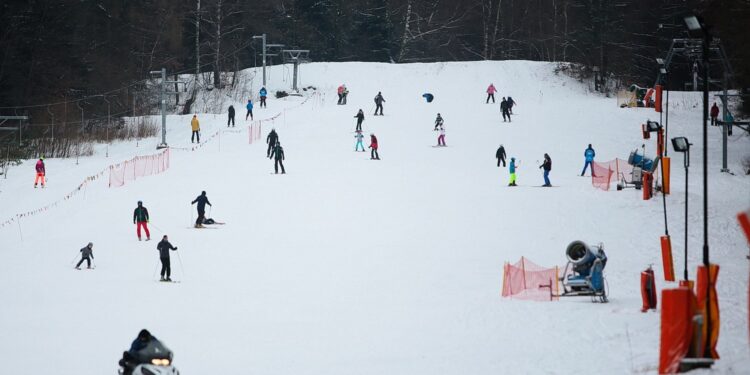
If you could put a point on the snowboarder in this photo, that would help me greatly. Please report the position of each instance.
(340, 92)
(441, 137)
(506, 110)
(589, 154)
(714, 113)
(40, 172)
(164, 246)
(512, 169)
(547, 165)
(511, 103)
(249, 107)
(500, 155)
(140, 218)
(196, 126)
(278, 155)
(491, 90)
(359, 138)
(374, 147)
(271, 140)
(230, 113)
(87, 253)
(438, 122)
(263, 94)
(360, 117)
(379, 100)
(202, 200)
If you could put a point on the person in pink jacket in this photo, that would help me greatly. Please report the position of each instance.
(40, 172)
(491, 90)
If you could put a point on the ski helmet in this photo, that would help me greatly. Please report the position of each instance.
(203, 192)
(90, 244)
(140, 203)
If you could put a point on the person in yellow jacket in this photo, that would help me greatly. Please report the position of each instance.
(196, 129)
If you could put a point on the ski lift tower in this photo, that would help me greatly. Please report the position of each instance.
(296, 56)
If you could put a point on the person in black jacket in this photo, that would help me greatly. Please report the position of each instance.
(379, 100)
(202, 200)
(231, 116)
(438, 122)
(278, 155)
(87, 253)
(547, 165)
(505, 107)
(271, 139)
(360, 117)
(500, 155)
(164, 246)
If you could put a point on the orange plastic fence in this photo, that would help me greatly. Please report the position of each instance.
(139, 166)
(606, 172)
(529, 281)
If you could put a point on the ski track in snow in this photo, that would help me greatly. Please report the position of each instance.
(393, 266)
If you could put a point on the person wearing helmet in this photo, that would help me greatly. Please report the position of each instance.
(512, 169)
(278, 156)
(438, 122)
(129, 358)
(40, 172)
(140, 218)
(163, 247)
(271, 140)
(202, 200)
(87, 253)
(500, 156)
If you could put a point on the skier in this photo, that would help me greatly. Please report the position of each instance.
(278, 155)
(374, 147)
(491, 90)
(40, 172)
(379, 100)
(249, 107)
(359, 138)
(345, 94)
(164, 246)
(441, 137)
(512, 169)
(263, 94)
(547, 165)
(589, 154)
(714, 113)
(506, 110)
(196, 126)
(511, 103)
(438, 122)
(360, 117)
(271, 140)
(87, 253)
(500, 155)
(340, 92)
(231, 116)
(202, 200)
(140, 218)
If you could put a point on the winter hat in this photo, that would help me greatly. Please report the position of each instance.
(90, 244)
(514, 159)
(203, 192)
(140, 203)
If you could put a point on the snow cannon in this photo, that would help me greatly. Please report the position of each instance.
(584, 273)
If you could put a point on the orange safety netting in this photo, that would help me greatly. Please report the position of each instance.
(254, 131)
(604, 173)
(529, 281)
(139, 166)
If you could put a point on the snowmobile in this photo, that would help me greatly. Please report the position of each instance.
(154, 359)
(584, 273)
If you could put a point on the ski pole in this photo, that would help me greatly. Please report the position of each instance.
(191, 214)
(74, 259)
(181, 266)
(156, 267)
(157, 228)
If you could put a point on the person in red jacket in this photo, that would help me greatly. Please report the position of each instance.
(714, 113)
(374, 147)
(39, 172)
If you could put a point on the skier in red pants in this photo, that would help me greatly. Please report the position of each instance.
(140, 217)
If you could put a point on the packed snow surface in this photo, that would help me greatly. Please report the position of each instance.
(351, 266)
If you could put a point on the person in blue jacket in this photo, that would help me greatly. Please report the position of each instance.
(589, 154)
(512, 170)
(249, 107)
(263, 94)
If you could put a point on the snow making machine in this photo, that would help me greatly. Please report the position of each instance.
(584, 273)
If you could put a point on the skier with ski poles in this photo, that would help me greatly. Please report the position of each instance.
(278, 155)
(359, 138)
(87, 253)
(360, 116)
(512, 169)
(202, 200)
(140, 218)
(500, 155)
(379, 100)
(271, 140)
(196, 126)
(547, 165)
(438, 122)
(163, 247)
(40, 172)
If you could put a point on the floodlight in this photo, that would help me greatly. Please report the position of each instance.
(652, 126)
(681, 144)
(693, 24)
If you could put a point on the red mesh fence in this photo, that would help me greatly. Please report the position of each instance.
(139, 166)
(604, 173)
(254, 131)
(529, 281)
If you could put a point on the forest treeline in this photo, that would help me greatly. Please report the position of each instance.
(60, 51)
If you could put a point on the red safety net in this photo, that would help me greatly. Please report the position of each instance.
(529, 281)
(254, 131)
(614, 170)
(139, 166)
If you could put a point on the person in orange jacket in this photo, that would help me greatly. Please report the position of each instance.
(195, 124)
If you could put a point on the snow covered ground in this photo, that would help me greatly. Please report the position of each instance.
(347, 265)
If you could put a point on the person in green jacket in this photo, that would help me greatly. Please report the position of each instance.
(140, 218)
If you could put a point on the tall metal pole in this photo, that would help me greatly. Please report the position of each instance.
(264, 59)
(686, 161)
(163, 99)
(724, 126)
(706, 264)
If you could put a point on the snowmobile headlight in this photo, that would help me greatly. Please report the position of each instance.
(160, 362)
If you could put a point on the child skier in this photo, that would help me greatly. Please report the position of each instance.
(263, 94)
(547, 165)
(87, 253)
(140, 218)
(374, 147)
(512, 169)
(589, 154)
(441, 137)
(359, 138)
(163, 247)
(438, 122)
(360, 117)
(491, 90)
(40, 172)
(196, 126)
(249, 107)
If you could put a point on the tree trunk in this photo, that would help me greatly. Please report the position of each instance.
(217, 59)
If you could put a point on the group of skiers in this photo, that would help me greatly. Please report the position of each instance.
(506, 105)
(546, 165)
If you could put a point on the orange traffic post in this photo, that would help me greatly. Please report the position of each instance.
(666, 258)
(665, 164)
(677, 311)
(701, 288)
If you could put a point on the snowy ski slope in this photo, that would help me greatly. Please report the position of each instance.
(352, 266)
